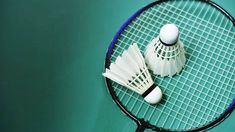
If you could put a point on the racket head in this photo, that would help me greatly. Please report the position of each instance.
(129, 101)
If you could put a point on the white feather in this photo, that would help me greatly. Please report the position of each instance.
(126, 57)
(122, 64)
(137, 55)
(113, 76)
(120, 71)
(140, 60)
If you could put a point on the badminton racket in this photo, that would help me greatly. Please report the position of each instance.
(203, 94)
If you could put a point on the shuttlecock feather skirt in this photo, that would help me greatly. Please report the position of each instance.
(165, 60)
(130, 70)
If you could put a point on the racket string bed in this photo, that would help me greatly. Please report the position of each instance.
(196, 16)
(220, 89)
(194, 118)
(184, 112)
(187, 91)
(174, 101)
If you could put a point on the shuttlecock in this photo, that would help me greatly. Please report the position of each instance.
(130, 70)
(165, 55)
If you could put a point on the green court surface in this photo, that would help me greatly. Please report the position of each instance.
(52, 56)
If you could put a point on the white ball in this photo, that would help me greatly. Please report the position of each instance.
(169, 34)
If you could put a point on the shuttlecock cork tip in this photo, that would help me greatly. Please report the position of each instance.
(154, 96)
(169, 34)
